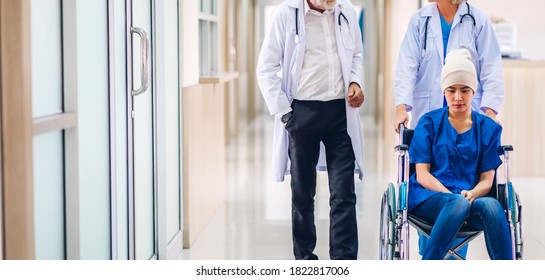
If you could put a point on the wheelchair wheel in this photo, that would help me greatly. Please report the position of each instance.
(519, 242)
(387, 224)
(515, 207)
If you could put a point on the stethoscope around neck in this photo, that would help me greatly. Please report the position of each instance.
(341, 15)
(468, 14)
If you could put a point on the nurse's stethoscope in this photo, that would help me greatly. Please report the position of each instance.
(468, 14)
(341, 15)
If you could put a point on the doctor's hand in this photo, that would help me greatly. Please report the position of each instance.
(492, 114)
(355, 95)
(401, 117)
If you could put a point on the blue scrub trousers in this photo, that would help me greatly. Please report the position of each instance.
(449, 211)
(423, 241)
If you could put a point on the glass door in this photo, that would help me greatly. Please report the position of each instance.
(47, 102)
(167, 92)
(142, 189)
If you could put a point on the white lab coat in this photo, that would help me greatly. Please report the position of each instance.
(417, 78)
(281, 54)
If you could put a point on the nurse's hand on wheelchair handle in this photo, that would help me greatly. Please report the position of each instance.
(401, 117)
(492, 114)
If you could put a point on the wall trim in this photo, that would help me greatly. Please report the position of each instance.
(17, 130)
(54, 123)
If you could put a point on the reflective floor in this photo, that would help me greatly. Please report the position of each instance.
(254, 223)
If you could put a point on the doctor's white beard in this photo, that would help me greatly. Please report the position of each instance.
(324, 4)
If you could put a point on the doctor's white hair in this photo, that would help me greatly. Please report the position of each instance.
(457, 1)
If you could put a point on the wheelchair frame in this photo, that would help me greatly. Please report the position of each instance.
(395, 218)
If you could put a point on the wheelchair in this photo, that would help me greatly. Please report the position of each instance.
(395, 218)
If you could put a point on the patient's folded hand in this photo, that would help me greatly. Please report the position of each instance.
(468, 195)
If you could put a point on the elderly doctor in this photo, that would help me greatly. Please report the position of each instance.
(316, 47)
(433, 31)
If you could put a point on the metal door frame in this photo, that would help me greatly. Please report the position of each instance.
(130, 130)
(1, 166)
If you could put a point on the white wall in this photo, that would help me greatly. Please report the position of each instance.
(402, 11)
(190, 42)
(222, 34)
(527, 15)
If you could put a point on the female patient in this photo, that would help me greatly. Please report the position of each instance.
(455, 153)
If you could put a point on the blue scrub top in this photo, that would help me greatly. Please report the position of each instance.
(456, 160)
(445, 28)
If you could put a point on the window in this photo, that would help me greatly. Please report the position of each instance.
(208, 36)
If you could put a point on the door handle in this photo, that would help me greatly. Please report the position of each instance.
(144, 58)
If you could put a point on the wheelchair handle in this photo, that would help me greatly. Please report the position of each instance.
(402, 147)
(401, 130)
(505, 148)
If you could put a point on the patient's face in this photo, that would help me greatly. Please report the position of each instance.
(459, 98)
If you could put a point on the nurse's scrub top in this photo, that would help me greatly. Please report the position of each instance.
(456, 160)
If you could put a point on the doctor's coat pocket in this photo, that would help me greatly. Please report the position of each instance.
(431, 49)
(347, 39)
(421, 101)
(292, 38)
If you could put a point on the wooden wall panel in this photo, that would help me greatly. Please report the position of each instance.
(203, 156)
(18, 197)
(520, 115)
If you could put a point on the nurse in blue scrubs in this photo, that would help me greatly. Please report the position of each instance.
(455, 153)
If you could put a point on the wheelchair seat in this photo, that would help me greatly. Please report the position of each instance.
(426, 227)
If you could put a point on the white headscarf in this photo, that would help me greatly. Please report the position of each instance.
(459, 70)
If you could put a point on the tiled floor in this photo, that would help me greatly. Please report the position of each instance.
(254, 223)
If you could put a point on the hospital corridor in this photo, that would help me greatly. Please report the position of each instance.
(140, 129)
(255, 222)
